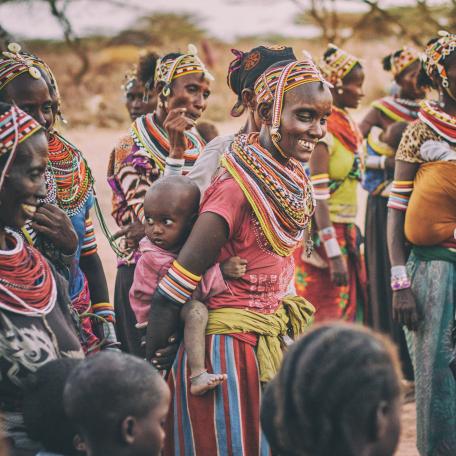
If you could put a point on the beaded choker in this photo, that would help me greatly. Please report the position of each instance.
(439, 121)
(153, 139)
(72, 174)
(281, 196)
(398, 109)
(27, 286)
(341, 125)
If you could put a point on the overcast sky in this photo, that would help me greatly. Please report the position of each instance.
(225, 19)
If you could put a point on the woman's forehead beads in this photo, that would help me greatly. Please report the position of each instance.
(337, 64)
(435, 55)
(13, 64)
(403, 59)
(275, 82)
(169, 69)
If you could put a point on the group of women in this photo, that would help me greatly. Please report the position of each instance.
(293, 223)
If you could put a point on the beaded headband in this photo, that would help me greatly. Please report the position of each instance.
(169, 69)
(403, 60)
(435, 55)
(15, 127)
(13, 64)
(275, 82)
(337, 65)
(130, 78)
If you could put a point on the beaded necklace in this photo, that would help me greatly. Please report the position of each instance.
(72, 174)
(281, 196)
(398, 109)
(27, 286)
(438, 120)
(342, 126)
(153, 139)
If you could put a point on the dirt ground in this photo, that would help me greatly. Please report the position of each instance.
(97, 145)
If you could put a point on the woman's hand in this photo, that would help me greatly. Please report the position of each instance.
(405, 311)
(54, 223)
(133, 233)
(176, 123)
(338, 271)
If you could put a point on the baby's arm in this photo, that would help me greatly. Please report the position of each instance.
(233, 268)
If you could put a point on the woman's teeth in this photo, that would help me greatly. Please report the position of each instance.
(310, 146)
(29, 209)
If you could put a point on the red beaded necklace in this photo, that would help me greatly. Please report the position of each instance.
(27, 286)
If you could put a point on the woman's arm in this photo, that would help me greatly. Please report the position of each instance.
(371, 119)
(319, 165)
(404, 306)
(200, 251)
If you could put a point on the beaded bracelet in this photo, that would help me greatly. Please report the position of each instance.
(174, 166)
(400, 195)
(399, 278)
(328, 236)
(320, 184)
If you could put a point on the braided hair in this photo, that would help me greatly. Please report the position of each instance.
(331, 384)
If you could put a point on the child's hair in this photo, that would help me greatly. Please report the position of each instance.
(329, 387)
(44, 415)
(106, 388)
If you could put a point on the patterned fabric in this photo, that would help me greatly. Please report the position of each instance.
(280, 195)
(431, 349)
(337, 65)
(413, 138)
(226, 420)
(152, 140)
(89, 243)
(397, 109)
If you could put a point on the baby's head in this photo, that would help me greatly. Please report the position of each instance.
(170, 208)
(118, 404)
(393, 134)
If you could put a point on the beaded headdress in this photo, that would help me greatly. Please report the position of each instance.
(435, 55)
(130, 78)
(15, 127)
(275, 82)
(403, 59)
(337, 65)
(169, 69)
(13, 64)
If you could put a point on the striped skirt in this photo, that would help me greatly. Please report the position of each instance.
(225, 421)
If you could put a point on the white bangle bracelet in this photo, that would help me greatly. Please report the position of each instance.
(175, 161)
(332, 248)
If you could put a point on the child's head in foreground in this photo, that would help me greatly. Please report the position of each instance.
(337, 394)
(118, 404)
(44, 415)
(170, 208)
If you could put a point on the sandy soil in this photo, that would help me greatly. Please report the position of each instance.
(97, 145)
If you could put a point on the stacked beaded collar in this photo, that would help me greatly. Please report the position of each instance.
(342, 126)
(27, 286)
(398, 109)
(281, 196)
(15, 127)
(337, 65)
(74, 182)
(439, 121)
(275, 82)
(153, 140)
(403, 60)
(435, 56)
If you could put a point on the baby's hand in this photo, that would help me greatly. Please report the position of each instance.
(234, 268)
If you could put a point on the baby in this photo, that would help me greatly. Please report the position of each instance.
(171, 207)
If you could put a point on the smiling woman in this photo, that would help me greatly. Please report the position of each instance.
(164, 142)
(35, 322)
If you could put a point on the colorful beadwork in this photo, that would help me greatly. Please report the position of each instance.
(400, 195)
(403, 59)
(71, 173)
(281, 196)
(342, 126)
(152, 138)
(337, 65)
(398, 109)
(320, 184)
(438, 120)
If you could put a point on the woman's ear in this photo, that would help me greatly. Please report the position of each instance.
(265, 112)
(128, 430)
(248, 98)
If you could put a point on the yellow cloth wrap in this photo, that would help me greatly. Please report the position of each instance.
(291, 318)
